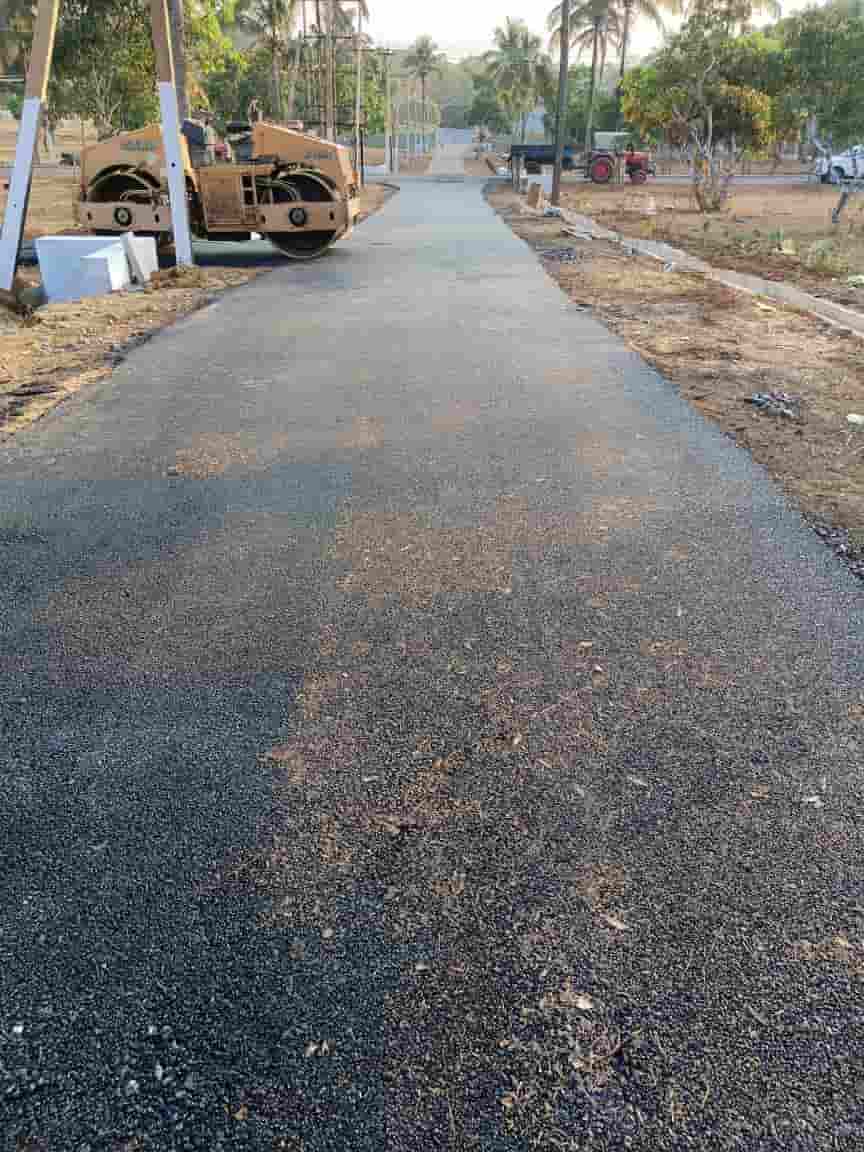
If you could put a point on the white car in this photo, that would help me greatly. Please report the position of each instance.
(848, 165)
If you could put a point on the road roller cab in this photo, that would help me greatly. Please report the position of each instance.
(298, 190)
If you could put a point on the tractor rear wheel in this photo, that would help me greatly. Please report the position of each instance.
(287, 187)
(601, 170)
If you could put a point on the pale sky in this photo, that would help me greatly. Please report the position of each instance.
(464, 27)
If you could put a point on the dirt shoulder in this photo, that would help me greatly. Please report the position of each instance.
(53, 353)
(720, 347)
(774, 230)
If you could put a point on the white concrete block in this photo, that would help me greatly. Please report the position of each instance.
(105, 271)
(65, 276)
(141, 254)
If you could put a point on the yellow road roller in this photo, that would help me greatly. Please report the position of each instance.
(298, 190)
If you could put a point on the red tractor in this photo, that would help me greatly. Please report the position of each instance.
(609, 148)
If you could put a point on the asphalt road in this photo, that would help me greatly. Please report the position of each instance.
(419, 730)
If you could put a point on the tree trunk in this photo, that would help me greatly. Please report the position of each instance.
(291, 97)
(592, 91)
(275, 83)
(177, 18)
(625, 38)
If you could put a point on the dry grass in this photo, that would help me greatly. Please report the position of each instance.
(719, 347)
(61, 347)
(777, 231)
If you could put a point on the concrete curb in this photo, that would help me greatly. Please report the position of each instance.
(831, 313)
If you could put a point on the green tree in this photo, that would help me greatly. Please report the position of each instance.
(604, 115)
(16, 32)
(209, 47)
(103, 67)
(423, 61)
(519, 70)
(634, 10)
(732, 15)
(823, 49)
(695, 88)
(485, 110)
(594, 24)
(272, 22)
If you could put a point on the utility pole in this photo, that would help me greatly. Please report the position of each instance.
(178, 52)
(388, 112)
(358, 97)
(328, 71)
(561, 118)
(171, 129)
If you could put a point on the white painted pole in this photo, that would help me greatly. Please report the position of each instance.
(388, 113)
(35, 89)
(171, 133)
(19, 192)
(397, 133)
(358, 97)
(176, 175)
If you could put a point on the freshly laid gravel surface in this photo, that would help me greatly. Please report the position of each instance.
(418, 729)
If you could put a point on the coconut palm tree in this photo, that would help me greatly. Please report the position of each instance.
(737, 14)
(594, 23)
(273, 23)
(520, 71)
(423, 61)
(636, 10)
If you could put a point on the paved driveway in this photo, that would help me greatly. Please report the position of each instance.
(419, 730)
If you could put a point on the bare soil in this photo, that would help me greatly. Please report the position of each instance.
(51, 208)
(52, 353)
(719, 347)
(67, 138)
(776, 231)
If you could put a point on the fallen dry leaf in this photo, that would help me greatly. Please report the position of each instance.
(613, 922)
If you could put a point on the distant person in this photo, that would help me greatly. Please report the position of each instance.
(210, 139)
(202, 137)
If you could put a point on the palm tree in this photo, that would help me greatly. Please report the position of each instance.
(273, 22)
(423, 61)
(595, 23)
(737, 14)
(636, 9)
(521, 73)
